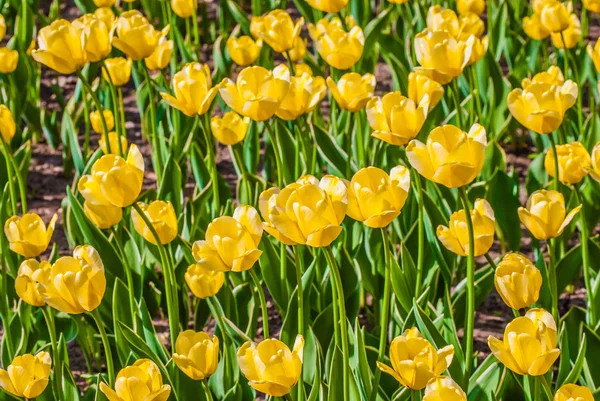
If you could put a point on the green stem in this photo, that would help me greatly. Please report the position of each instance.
(11, 184)
(414, 395)
(263, 303)
(291, 63)
(298, 252)
(98, 105)
(155, 142)
(477, 94)
(214, 173)
(556, 166)
(546, 387)
(207, 391)
(456, 94)
(587, 277)
(113, 94)
(421, 233)
(6, 314)
(107, 351)
(87, 132)
(196, 30)
(552, 278)
(490, 260)
(49, 318)
(278, 156)
(122, 112)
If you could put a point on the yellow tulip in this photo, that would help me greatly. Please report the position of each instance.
(113, 180)
(193, 89)
(451, 156)
(555, 16)
(135, 36)
(341, 49)
(117, 70)
(308, 211)
(27, 376)
(595, 163)
(2, 26)
(141, 381)
(456, 237)
(420, 85)
(536, 333)
(231, 243)
(301, 69)
(270, 366)
(60, 47)
(96, 121)
(415, 361)
(592, 5)
(443, 388)
(534, 28)
(470, 24)
(9, 59)
(480, 47)
(518, 281)
(328, 6)
(573, 392)
(196, 354)
(184, 8)
(7, 124)
(28, 235)
(376, 198)
(107, 16)
(442, 57)
(204, 283)
(594, 53)
(30, 273)
(244, 50)
(257, 92)
(162, 217)
(304, 94)
(443, 19)
(159, 60)
(278, 30)
(298, 52)
(229, 129)
(75, 284)
(102, 216)
(571, 35)
(95, 36)
(545, 214)
(470, 6)
(352, 91)
(104, 3)
(552, 76)
(574, 163)
(114, 139)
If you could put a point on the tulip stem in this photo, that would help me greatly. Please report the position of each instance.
(552, 278)
(107, 351)
(291, 63)
(196, 30)
(414, 395)
(556, 166)
(276, 151)
(10, 174)
(456, 93)
(86, 134)
(584, 235)
(566, 54)
(96, 101)
(214, 173)
(490, 260)
(421, 233)
(263, 303)
(49, 318)
(158, 168)
(121, 112)
(209, 396)
(546, 387)
(113, 94)
(298, 249)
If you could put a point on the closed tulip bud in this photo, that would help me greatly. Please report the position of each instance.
(7, 124)
(534, 28)
(114, 181)
(27, 376)
(102, 216)
(352, 91)
(595, 166)
(114, 139)
(117, 70)
(420, 85)
(470, 6)
(159, 60)
(193, 90)
(104, 3)
(536, 333)
(229, 129)
(304, 94)
(96, 121)
(415, 361)
(573, 392)
(518, 281)
(328, 6)
(456, 237)
(204, 283)
(574, 163)
(545, 214)
(592, 5)
(141, 381)
(443, 388)
(298, 51)
(555, 16)
(106, 15)
(594, 53)
(2, 26)
(60, 47)
(243, 50)
(196, 354)
(135, 36)
(257, 92)
(95, 36)
(8, 60)
(75, 284)
(162, 217)
(443, 19)
(341, 49)
(376, 198)
(301, 69)
(571, 35)
(184, 8)
(28, 235)
(278, 30)
(442, 57)
(270, 366)
(231, 243)
(30, 273)
(451, 156)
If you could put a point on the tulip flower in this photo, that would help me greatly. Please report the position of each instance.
(102, 216)
(571, 35)
(8, 60)
(470, 6)
(196, 354)
(595, 162)
(470, 24)
(536, 333)
(193, 89)
(184, 8)
(534, 28)
(545, 214)
(30, 273)
(518, 281)
(141, 381)
(117, 70)
(28, 235)
(420, 85)
(341, 49)
(243, 50)
(573, 392)
(96, 121)
(203, 282)
(27, 376)
(308, 211)
(443, 388)
(257, 92)
(135, 36)
(592, 5)
(415, 361)
(376, 198)
(229, 129)
(231, 243)
(555, 16)
(113, 138)
(104, 3)
(352, 91)
(303, 95)
(456, 237)
(2, 26)
(574, 163)
(328, 6)
(159, 60)
(480, 47)
(162, 217)
(60, 47)
(451, 157)
(278, 30)
(301, 69)
(7, 124)
(75, 284)
(443, 19)
(106, 15)
(270, 366)
(298, 52)
(95, 36)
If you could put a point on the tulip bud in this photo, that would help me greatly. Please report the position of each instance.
(443, 388)
(204, 283)
(278, 30)
(143, 379)
(135, 36)
(571, 35)
(196, 354)
(161, 57)
(263, 365)
(102, 216)
(594, 53)
(162, 217)
(456, 238)
(184, 8)
(30, 273)
(518, 281)
(470, 6)
(352, 91)
(415, 361)
(96, 121)
(574, 163)
(243, 50)
(534, 28)
(341, 49)
(106, 15)
(420, 85)
(328, 6)
(113, 138)
(2, 26)
(534, 332)
(9, 59)
(27, 376)
(545, 214)
(592, 5)
(7, 124)
(573, 392)
(95, 36)
(303, 95)
(257, 92)
(555, 16)
(193, 90)
(451, 156)
(27, 235)
(104, 3)
(229, 129)
(60, 47)
(117, 70)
